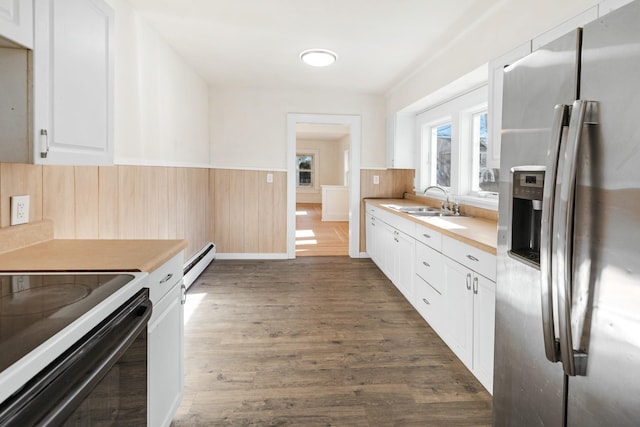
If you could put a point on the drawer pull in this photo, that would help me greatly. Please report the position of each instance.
(424, 300)
(426, 236)
(468, 281)
(166, 278)
(475, 285)
(183, 294)
(426, 264)
(472, 258)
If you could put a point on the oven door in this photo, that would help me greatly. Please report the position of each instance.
(100, 380)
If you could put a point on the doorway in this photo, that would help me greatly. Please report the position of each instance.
(352, 123)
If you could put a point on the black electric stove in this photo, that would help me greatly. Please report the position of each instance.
(35, 307)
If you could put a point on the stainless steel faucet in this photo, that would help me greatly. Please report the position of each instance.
(444, 191)
(445, 206)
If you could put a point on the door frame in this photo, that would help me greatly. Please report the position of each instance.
(354, 122)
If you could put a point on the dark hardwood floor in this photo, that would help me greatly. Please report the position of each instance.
(317, 341)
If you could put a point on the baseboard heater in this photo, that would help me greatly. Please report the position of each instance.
(198, 263)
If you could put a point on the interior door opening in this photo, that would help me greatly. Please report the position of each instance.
(323, 163)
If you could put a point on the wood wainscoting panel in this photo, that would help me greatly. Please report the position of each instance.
(86, 179)
(126, 202)
(221, 188)
(107, 202)
(58, 199)
(18, 179)
(196, 208)
(253, 187)
(249, 213)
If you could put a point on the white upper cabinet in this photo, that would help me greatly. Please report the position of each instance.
(73, 82)
(400, 141)
(16, 21)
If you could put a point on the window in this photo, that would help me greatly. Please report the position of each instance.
(484, 178)
(441, 155)
(455, 150)
(305, 171)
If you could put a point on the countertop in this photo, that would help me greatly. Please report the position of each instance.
(481, 233)
(91, 255)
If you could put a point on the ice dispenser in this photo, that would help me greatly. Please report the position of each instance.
(528, 182)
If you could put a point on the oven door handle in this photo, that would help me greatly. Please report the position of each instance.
(53, 395)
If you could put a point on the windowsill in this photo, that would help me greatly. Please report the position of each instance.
(488, 202)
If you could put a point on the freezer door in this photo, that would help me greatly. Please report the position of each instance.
(528, 389)
(606, 294)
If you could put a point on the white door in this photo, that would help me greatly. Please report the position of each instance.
(16, 21)
(484, 310)
(459, 310)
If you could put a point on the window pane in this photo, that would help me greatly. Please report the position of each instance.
(305, 162)
(486, 179)
(442, 137)
(304, 179)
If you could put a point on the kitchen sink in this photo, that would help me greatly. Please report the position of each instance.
(424, 211)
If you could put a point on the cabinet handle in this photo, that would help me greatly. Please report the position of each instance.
(166, 278)
(426, 236)
(472, 258)
(44, 136)
(396, 239)
(426, 264)
(424, 300)
(475, 285)
(468, 281)
(183, 294)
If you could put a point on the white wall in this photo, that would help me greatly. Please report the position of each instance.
(161, 104)
(248, 126)
(507, 25)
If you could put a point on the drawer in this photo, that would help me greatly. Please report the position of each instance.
(429, 266)
(476, 259)
(165, 277)
(429, 237)
(394, 220)
(430, 304)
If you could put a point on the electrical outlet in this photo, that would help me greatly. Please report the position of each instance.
(19, 210)
(376, 179)
(19, 283)
(270, 178)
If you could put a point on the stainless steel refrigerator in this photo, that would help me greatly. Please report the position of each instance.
(567, 345)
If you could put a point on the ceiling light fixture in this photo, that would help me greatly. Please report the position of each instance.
(318, 57)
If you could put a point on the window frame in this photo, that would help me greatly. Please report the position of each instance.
(315, 165)
(459, 111)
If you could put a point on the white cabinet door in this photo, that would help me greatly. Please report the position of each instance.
(73, 82)
(16, 21)
(403, 263)
(372, 239)
(458, 333)
(166, 354)
(484, 307)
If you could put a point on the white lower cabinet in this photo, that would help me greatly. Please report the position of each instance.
(391, 248)
(165, 370)
(470, 307)
(450, 283)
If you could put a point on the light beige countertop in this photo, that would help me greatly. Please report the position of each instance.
(478, 232)
(32, 248)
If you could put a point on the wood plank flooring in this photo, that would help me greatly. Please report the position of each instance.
(315, 237)
(317, 341)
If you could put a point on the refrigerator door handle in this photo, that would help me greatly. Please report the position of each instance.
(573, 361)
(551, 343)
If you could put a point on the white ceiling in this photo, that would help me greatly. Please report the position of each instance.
(256, 43)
